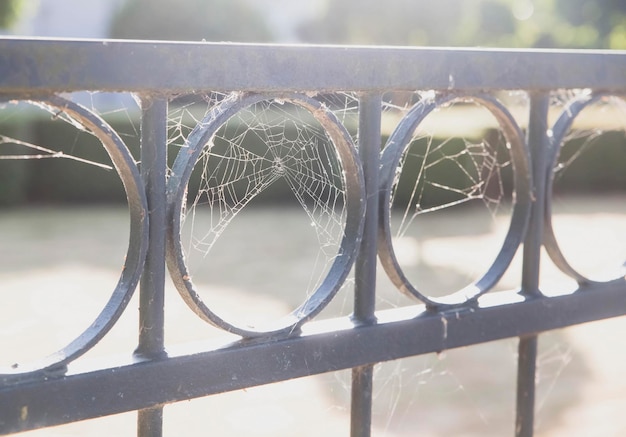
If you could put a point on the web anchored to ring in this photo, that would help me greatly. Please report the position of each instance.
(559, 131)
(124, 164)
(393, 152)
(256, 174)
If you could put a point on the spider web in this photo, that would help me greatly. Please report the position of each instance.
(453, 186)
(452, 171)
(597, 119)
(58, 240)
(273, 154)
(14, 148)
(592, 160)
(289, 190)
(480, 165)
(454, 393)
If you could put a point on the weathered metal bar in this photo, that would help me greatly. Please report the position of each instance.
(538, 143)
(324, 346)
(361, 401)
(153, 170)
(34, 66)
(526, 384)
(150, 422)
(370, 112)
(152, 286)
(370, 109)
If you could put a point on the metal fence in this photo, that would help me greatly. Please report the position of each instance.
(50, 392)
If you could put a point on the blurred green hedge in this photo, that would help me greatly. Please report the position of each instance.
(57, 180)
(602, 168)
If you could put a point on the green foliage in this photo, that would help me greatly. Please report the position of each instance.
(9, 11)
(599, 169)
(397, 22)
(508, 23)
(190, 20)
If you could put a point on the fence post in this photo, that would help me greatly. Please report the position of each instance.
(151, 297)
(538, 142)
(370, 106)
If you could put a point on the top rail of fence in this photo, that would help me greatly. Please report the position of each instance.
(33, 66)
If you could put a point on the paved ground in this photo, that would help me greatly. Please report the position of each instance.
(57, 266)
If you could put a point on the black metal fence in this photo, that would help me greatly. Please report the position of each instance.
(358, 183)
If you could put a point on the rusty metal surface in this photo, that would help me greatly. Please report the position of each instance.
(40, 66)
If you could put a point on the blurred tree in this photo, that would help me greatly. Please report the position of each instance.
(395, 22)
(511, 23)
(601, 23)
(9, 11)
(191, 20)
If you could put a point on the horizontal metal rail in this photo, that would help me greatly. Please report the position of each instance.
(194, 370)
(30, 66)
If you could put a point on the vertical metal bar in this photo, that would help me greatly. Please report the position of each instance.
(526, 371)
(361, 401)
(370, 109)
(153, 170)
(151, 292)
(527, 349)
(150, 422)
(538, 142)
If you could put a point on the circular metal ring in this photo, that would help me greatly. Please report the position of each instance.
(397, 145)
(559, 130)
(124, 164)
(182, 169)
